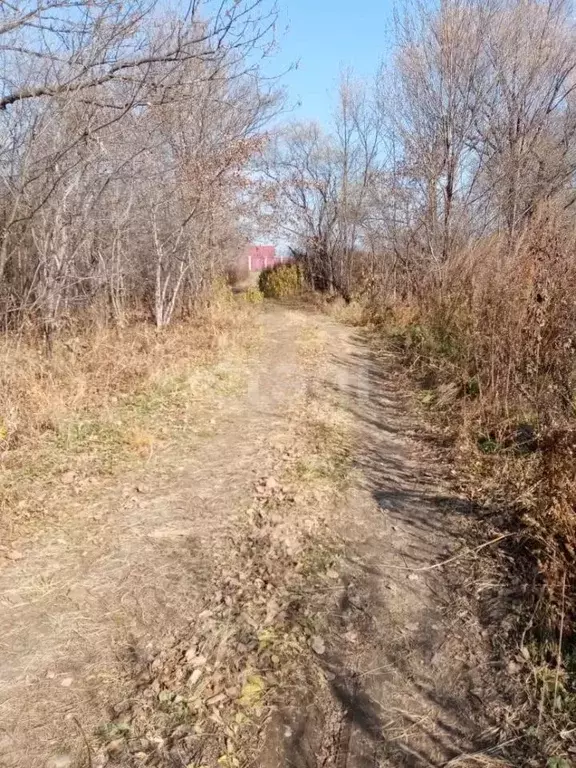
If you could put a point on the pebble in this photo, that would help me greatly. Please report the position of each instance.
(116, 747)
(195, 676)
(318, 645)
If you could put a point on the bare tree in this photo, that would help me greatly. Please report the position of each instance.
(126, 138)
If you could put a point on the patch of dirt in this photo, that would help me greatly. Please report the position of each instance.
(414, 679)
(275, 598)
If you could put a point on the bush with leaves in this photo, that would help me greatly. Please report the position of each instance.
(281, 281)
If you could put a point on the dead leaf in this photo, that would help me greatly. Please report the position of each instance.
(218, 698)
(252, 691)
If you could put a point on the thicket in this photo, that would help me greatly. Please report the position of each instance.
(127, 131)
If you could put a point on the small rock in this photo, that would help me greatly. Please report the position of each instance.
(66, 682)
(413, 577)
(59, 761)
(115, 747)
(195, 676)
(318, 645)
(513, 667)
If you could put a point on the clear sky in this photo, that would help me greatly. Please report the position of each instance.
(324, 36)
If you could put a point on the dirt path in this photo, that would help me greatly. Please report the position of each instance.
(412, 666)
(407, 661)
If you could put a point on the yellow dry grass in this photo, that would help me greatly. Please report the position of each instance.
(107, 398)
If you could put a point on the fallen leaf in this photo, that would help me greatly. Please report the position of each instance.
(252, 691)
(218, 698)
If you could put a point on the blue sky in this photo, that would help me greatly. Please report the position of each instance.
(324, 36)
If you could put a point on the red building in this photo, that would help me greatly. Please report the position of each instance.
(261, 256)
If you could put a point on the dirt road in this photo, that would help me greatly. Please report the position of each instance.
(406, 663)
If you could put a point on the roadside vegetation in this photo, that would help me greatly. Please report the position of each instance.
(119, 218)
(105, 401)
(139, 154)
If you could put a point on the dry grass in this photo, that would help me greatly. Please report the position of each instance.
(492, 345)
(104, 399)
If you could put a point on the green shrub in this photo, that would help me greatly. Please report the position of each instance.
(281, 281)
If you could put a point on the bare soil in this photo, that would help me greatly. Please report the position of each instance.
(314, 516)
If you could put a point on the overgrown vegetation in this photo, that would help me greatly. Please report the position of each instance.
(281, 281)
(119, 211)
(106, 399)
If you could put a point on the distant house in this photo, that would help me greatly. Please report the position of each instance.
(261, 256)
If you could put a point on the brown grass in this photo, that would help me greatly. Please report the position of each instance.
(492, 342)
(104, 399)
